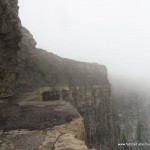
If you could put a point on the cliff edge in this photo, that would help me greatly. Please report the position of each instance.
(43, 96)
(84, 85)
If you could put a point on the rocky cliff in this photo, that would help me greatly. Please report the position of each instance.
(85, 85)
(10, 36)
(42, 126)
(131, 115)
(39, 83)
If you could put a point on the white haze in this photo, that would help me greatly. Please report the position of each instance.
(111, 32)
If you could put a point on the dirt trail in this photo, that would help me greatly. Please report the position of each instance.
(36, 115)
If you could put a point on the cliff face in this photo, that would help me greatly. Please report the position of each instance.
(10, 37)
(24, 71)
(131, 115)
(30, 77)
(38, 68)
(85, 85)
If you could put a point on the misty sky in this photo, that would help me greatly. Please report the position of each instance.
(111, 32)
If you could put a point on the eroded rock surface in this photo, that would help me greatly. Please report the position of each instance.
(64, 137)
(69, 136)
(10, 36)
(84, 85)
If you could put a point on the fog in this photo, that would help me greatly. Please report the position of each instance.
(115, 33)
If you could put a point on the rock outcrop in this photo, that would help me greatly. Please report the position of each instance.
(10, 36)
(84, 86)
(131, 116)
(56, 125)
